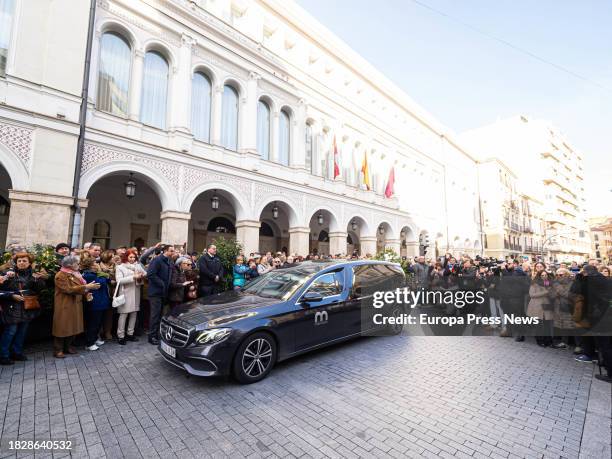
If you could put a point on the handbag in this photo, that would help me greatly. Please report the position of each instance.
(118, 300)
(30, 302)
(30, 299)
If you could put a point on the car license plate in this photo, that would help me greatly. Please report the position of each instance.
(168, 349)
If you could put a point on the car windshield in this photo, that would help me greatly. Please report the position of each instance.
(281, 284)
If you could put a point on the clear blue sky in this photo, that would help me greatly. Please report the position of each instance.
(467, 80)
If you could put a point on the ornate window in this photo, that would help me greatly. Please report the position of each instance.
(263, 129)
(7, 9)
(101, 234)
(114, 74)
(284, 127)
(229, 118)
(200, 106)
(154, 90)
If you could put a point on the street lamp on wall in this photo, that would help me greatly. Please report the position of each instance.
(353, 225)
(214, 201)
(275, 212)
(130, 187)
(320, 218)
(381, 230)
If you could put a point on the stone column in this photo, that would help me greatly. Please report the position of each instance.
(175, 227)
(247, 234)
(337, 242)
(412, 249)
(393, 244)
(38, 218)
(215, 115)
(299, 240)
(136, 85)
(368, 245)
(180, 114)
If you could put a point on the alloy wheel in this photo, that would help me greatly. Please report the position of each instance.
(256, 357)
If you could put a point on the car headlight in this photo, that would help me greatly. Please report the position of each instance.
(214, 335)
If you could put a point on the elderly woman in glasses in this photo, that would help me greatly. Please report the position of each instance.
(70, 287)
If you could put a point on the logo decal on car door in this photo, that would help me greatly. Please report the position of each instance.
(320, 318)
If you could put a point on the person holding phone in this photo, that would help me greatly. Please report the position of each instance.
(70, 287)
(179, 284)
(21, 283)
(96, 308)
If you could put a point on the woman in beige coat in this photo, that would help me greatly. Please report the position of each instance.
(68, 306)
(541, 305)
(129, 276)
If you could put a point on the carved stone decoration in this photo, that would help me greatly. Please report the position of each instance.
(263, 190)
(195, 176)
(313, 203)
(18, 139)
(94, 155)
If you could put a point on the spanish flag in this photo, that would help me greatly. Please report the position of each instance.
(365, 170)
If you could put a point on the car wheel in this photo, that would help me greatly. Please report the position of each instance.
(395, 329)
(255, 358)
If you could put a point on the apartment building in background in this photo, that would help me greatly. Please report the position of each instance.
(549, 173)
(601, 238)
(511, 219)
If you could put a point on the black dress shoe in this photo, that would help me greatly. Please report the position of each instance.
(154, 341)
(519, 339)
(604, 378)
(19, 357)
(121, 341)
(131, 338)
(6, 361)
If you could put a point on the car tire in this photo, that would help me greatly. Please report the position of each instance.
(254, 358)
(396, 311)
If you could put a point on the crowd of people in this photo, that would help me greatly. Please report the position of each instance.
(121, 292)
(568, 299)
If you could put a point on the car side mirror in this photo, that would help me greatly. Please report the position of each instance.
(312, 297)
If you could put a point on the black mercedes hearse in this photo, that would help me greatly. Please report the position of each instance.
(277, 316)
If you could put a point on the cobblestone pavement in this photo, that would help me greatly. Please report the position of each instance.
(393, 396)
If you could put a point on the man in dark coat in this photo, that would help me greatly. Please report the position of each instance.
(159, 273)
(513, 288)
(211, 272)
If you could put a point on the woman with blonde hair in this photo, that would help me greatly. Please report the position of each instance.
(130, 277)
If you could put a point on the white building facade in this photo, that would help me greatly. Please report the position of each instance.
(225, 116)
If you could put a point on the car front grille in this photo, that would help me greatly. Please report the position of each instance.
(174, 334)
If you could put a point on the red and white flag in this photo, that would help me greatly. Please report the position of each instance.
(336, 160)
(389, 190)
